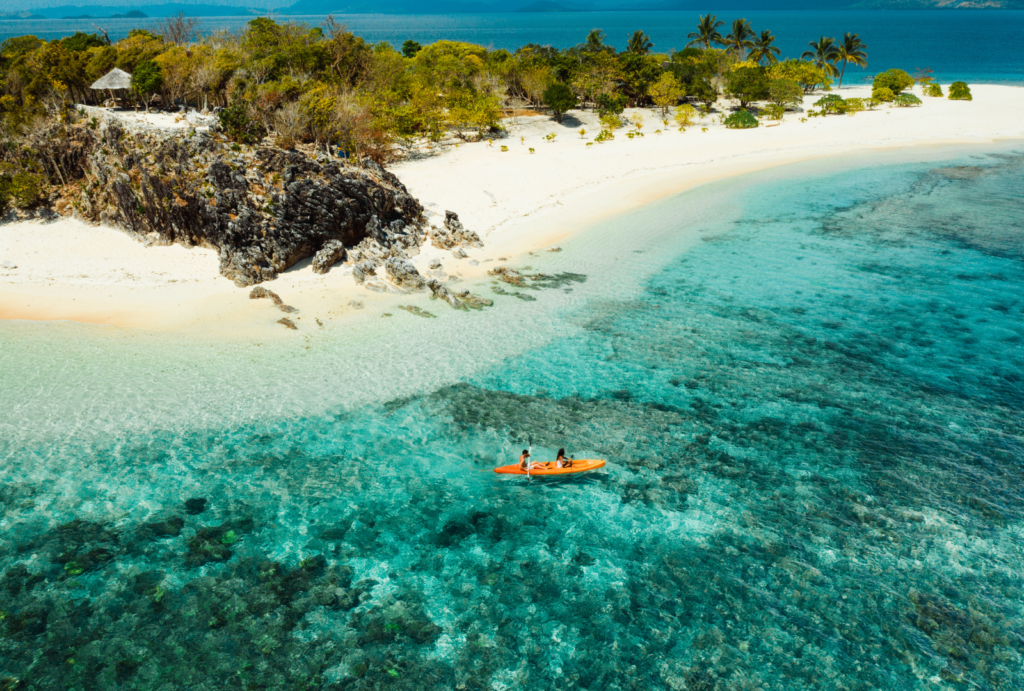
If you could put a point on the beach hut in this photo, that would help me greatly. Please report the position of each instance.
(113, 80)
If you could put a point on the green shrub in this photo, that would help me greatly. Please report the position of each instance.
(893, 80)
(871, 103)
(611, 104)
(785, 92)
(831, 103)
(933, 89)
(907, 100)
(959, 91)
(773, 111)
(21, 189)
(610, 121)
(684, 115)
(239, 125)
(560, 99)
(883, 95)
(853, 105)
(741, 120)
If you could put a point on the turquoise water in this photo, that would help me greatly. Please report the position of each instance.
(807, 382)
(973, 45)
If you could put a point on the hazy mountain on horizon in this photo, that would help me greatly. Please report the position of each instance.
(158, 8)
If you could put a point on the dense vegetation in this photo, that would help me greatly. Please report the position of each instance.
(325, 85)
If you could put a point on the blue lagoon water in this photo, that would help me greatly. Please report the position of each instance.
(808, 383)
(972, 45)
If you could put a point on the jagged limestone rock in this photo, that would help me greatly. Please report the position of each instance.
(442, 293)
(453, 234)
(263, 209)
(332, 252)
(403, 274)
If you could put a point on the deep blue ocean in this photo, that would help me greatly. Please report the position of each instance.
(808, 384)
(972, 45)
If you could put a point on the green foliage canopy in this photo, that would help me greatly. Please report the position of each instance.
(747, 84)
(894, 80)
(959, 91)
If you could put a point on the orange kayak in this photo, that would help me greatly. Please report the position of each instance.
(540, 469)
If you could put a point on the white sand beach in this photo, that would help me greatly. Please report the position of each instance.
(517, 200)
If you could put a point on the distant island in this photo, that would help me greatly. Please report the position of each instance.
(20, 15)
(323, 7)
(132, 14)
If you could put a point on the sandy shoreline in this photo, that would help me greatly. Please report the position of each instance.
(516, 200)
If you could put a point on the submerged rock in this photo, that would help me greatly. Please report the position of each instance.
(462, 301)
(195, 506)
(155, 530)
(510, 276)
(412, 309)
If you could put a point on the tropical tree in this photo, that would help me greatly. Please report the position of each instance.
(560, 99)
(852, 49)
(824, 55)
(147, 80)
(706, 33)
(639, 43)
(410, 48)
(763, 50)
(747, 84)
(666, 92)
(740, 39)
(595, 42)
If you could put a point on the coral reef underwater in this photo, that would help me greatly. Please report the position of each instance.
(815, 433)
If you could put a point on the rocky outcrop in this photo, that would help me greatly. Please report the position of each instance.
(332, 252)
(403, 274)
(263, 209)
(453, 234)
(261, 292)
(510, 276)
(463, 301)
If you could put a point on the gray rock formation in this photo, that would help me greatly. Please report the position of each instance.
(442, 293)
(263, 209)
(464, 301)
(510, 276)
(403, 274)
(453, 234)
(332, 252)
(261, 292)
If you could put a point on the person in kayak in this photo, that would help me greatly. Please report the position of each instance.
(526, 464)
(524, 461)
(561, 461)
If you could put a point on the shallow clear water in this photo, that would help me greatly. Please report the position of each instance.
(808, 384)
(974, 45)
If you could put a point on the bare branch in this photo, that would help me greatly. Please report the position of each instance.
(178, 29)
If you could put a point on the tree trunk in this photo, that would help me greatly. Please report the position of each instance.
(841, 75)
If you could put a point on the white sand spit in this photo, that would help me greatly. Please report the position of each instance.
(516, 200)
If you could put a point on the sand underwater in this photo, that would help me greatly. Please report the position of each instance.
(808, 382)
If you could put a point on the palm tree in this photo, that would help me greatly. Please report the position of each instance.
(851, 50)
(595, 40)
(824, 55)
(764, 50)
(639, 43)
(739, 39)
(706, 33)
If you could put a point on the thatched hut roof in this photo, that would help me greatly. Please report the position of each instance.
(114, 79)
